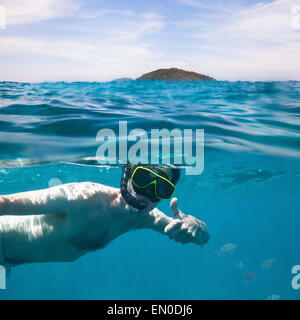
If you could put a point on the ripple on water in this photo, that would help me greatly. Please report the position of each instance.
(249, 117)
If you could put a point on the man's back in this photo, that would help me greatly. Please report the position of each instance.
(85, 224)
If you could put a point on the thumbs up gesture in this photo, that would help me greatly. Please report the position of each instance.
(185, 228)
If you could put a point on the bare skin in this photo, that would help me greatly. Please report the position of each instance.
(65, 222)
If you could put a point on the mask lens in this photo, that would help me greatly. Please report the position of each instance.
(142, 177)
(164, 189)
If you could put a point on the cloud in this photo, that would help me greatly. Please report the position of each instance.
(229, 40)
(224, 6)
(63, 49)
(91, 45)
(254, 43)
(91, 56)
(104, 12)
(73, 60)
(197, 4)
(122, 26)
(31, 11)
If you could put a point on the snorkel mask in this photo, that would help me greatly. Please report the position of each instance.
(152, 183)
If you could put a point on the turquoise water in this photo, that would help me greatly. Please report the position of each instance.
(248, 193)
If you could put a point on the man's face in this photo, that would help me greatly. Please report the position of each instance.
(150, 204)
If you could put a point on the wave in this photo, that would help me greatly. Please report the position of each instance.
(59, 121)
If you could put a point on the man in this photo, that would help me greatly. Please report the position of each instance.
(65, 222)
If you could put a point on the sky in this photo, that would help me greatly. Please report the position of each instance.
(97, 40)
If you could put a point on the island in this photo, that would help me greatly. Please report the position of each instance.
(174, 74)
(122, 80)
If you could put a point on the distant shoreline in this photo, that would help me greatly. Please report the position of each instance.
(134, 80)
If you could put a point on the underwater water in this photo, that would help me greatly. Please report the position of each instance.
(248, 193)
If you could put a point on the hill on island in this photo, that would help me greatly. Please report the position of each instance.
(174, 74)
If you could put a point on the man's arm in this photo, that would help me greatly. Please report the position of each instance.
(181, 228)
(46, 201)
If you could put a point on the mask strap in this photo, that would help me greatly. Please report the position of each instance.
(129, 198)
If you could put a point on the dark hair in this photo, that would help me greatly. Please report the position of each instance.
(175, 175)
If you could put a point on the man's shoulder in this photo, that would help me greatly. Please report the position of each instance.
(76, 190)
(88, 188)
(84, 184)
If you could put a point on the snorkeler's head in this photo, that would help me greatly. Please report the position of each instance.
(145, 185)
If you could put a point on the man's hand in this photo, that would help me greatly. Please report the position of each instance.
(184, 228)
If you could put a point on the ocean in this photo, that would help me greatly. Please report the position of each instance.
(248, 193)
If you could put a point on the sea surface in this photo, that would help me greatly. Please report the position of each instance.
(248, 193)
